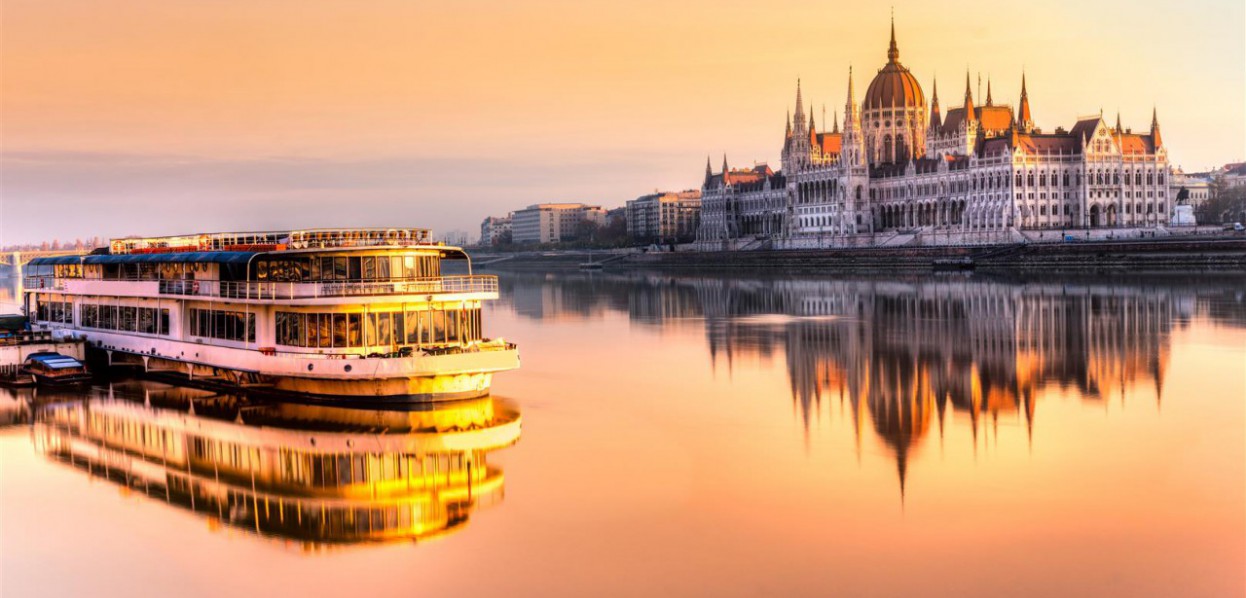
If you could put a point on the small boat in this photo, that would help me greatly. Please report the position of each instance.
(953, 263)
(54, 369)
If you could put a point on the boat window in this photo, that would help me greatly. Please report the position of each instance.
(147, 320)
(382, 331)
(222, 324)
(354, 330)
(340, 268)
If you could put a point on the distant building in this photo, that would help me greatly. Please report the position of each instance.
(1235, 175)
(1192, 189)
(493, 229)
(553, 222)
(667, 216)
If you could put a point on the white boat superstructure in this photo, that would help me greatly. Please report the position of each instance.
(333, 312)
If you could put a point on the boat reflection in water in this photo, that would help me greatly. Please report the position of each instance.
(320, 475)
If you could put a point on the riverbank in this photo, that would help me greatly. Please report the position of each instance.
(1129, 256)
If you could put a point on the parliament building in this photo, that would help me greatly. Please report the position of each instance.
(902, 171)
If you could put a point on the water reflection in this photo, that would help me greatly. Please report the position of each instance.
(901, 353)
(317, 475)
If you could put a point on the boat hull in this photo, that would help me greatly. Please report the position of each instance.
(421, 377)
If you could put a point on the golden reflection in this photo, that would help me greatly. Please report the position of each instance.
(319, 475)
(899, 352)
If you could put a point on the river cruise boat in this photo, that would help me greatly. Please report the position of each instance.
(330, 313)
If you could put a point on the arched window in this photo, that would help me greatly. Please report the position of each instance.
(887, 155)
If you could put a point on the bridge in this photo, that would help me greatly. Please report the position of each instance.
(17, 259)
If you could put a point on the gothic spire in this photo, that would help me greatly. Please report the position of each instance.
(708, 172)
(788, 124)
(1155, 128)
(936, 119)
(1024, 118)
(1119, 128)
(969, 115)
(835, 122)
(724, 167)
(852, 96)
(800, 110)
(988, 91)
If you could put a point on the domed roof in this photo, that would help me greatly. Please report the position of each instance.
(894, 85)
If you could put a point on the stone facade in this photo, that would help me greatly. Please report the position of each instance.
(901, 169)
(669, 216)
(552, 222)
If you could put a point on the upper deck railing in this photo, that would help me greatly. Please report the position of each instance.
(275, 240)
(270, 290)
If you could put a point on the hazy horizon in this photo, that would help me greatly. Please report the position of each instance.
(176, 116)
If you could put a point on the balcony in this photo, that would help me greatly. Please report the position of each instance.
(268, 290)
(317, 290)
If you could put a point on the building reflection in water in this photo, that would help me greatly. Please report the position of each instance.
(319, 475)
(901, 352)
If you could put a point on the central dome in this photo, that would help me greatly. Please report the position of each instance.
(894, 85)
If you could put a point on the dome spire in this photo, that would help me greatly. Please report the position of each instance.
(893, 52)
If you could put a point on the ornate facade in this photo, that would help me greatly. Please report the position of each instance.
(902, 171)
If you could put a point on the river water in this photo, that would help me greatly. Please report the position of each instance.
(688, 435)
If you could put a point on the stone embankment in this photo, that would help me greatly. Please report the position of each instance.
(1222, 254)
(1202, 254)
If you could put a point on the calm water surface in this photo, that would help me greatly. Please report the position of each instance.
(686, 434)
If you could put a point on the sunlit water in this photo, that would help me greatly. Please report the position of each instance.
(708, 435)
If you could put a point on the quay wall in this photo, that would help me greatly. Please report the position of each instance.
(1133, 255)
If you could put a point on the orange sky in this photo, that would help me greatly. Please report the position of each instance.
(126, 117)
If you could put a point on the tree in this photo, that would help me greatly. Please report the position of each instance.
(1225, 204)
(586, 231)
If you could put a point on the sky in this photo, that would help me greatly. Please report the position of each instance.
(173, 116)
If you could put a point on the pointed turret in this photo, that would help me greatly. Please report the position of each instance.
(989, 102)
(936, 119)
(1155, 138)
(725, 169)
(969, 115)
(835, 122)
(708, 171)
(1118, 129)
(787, 134)
(813, 133)
(1024, 119)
